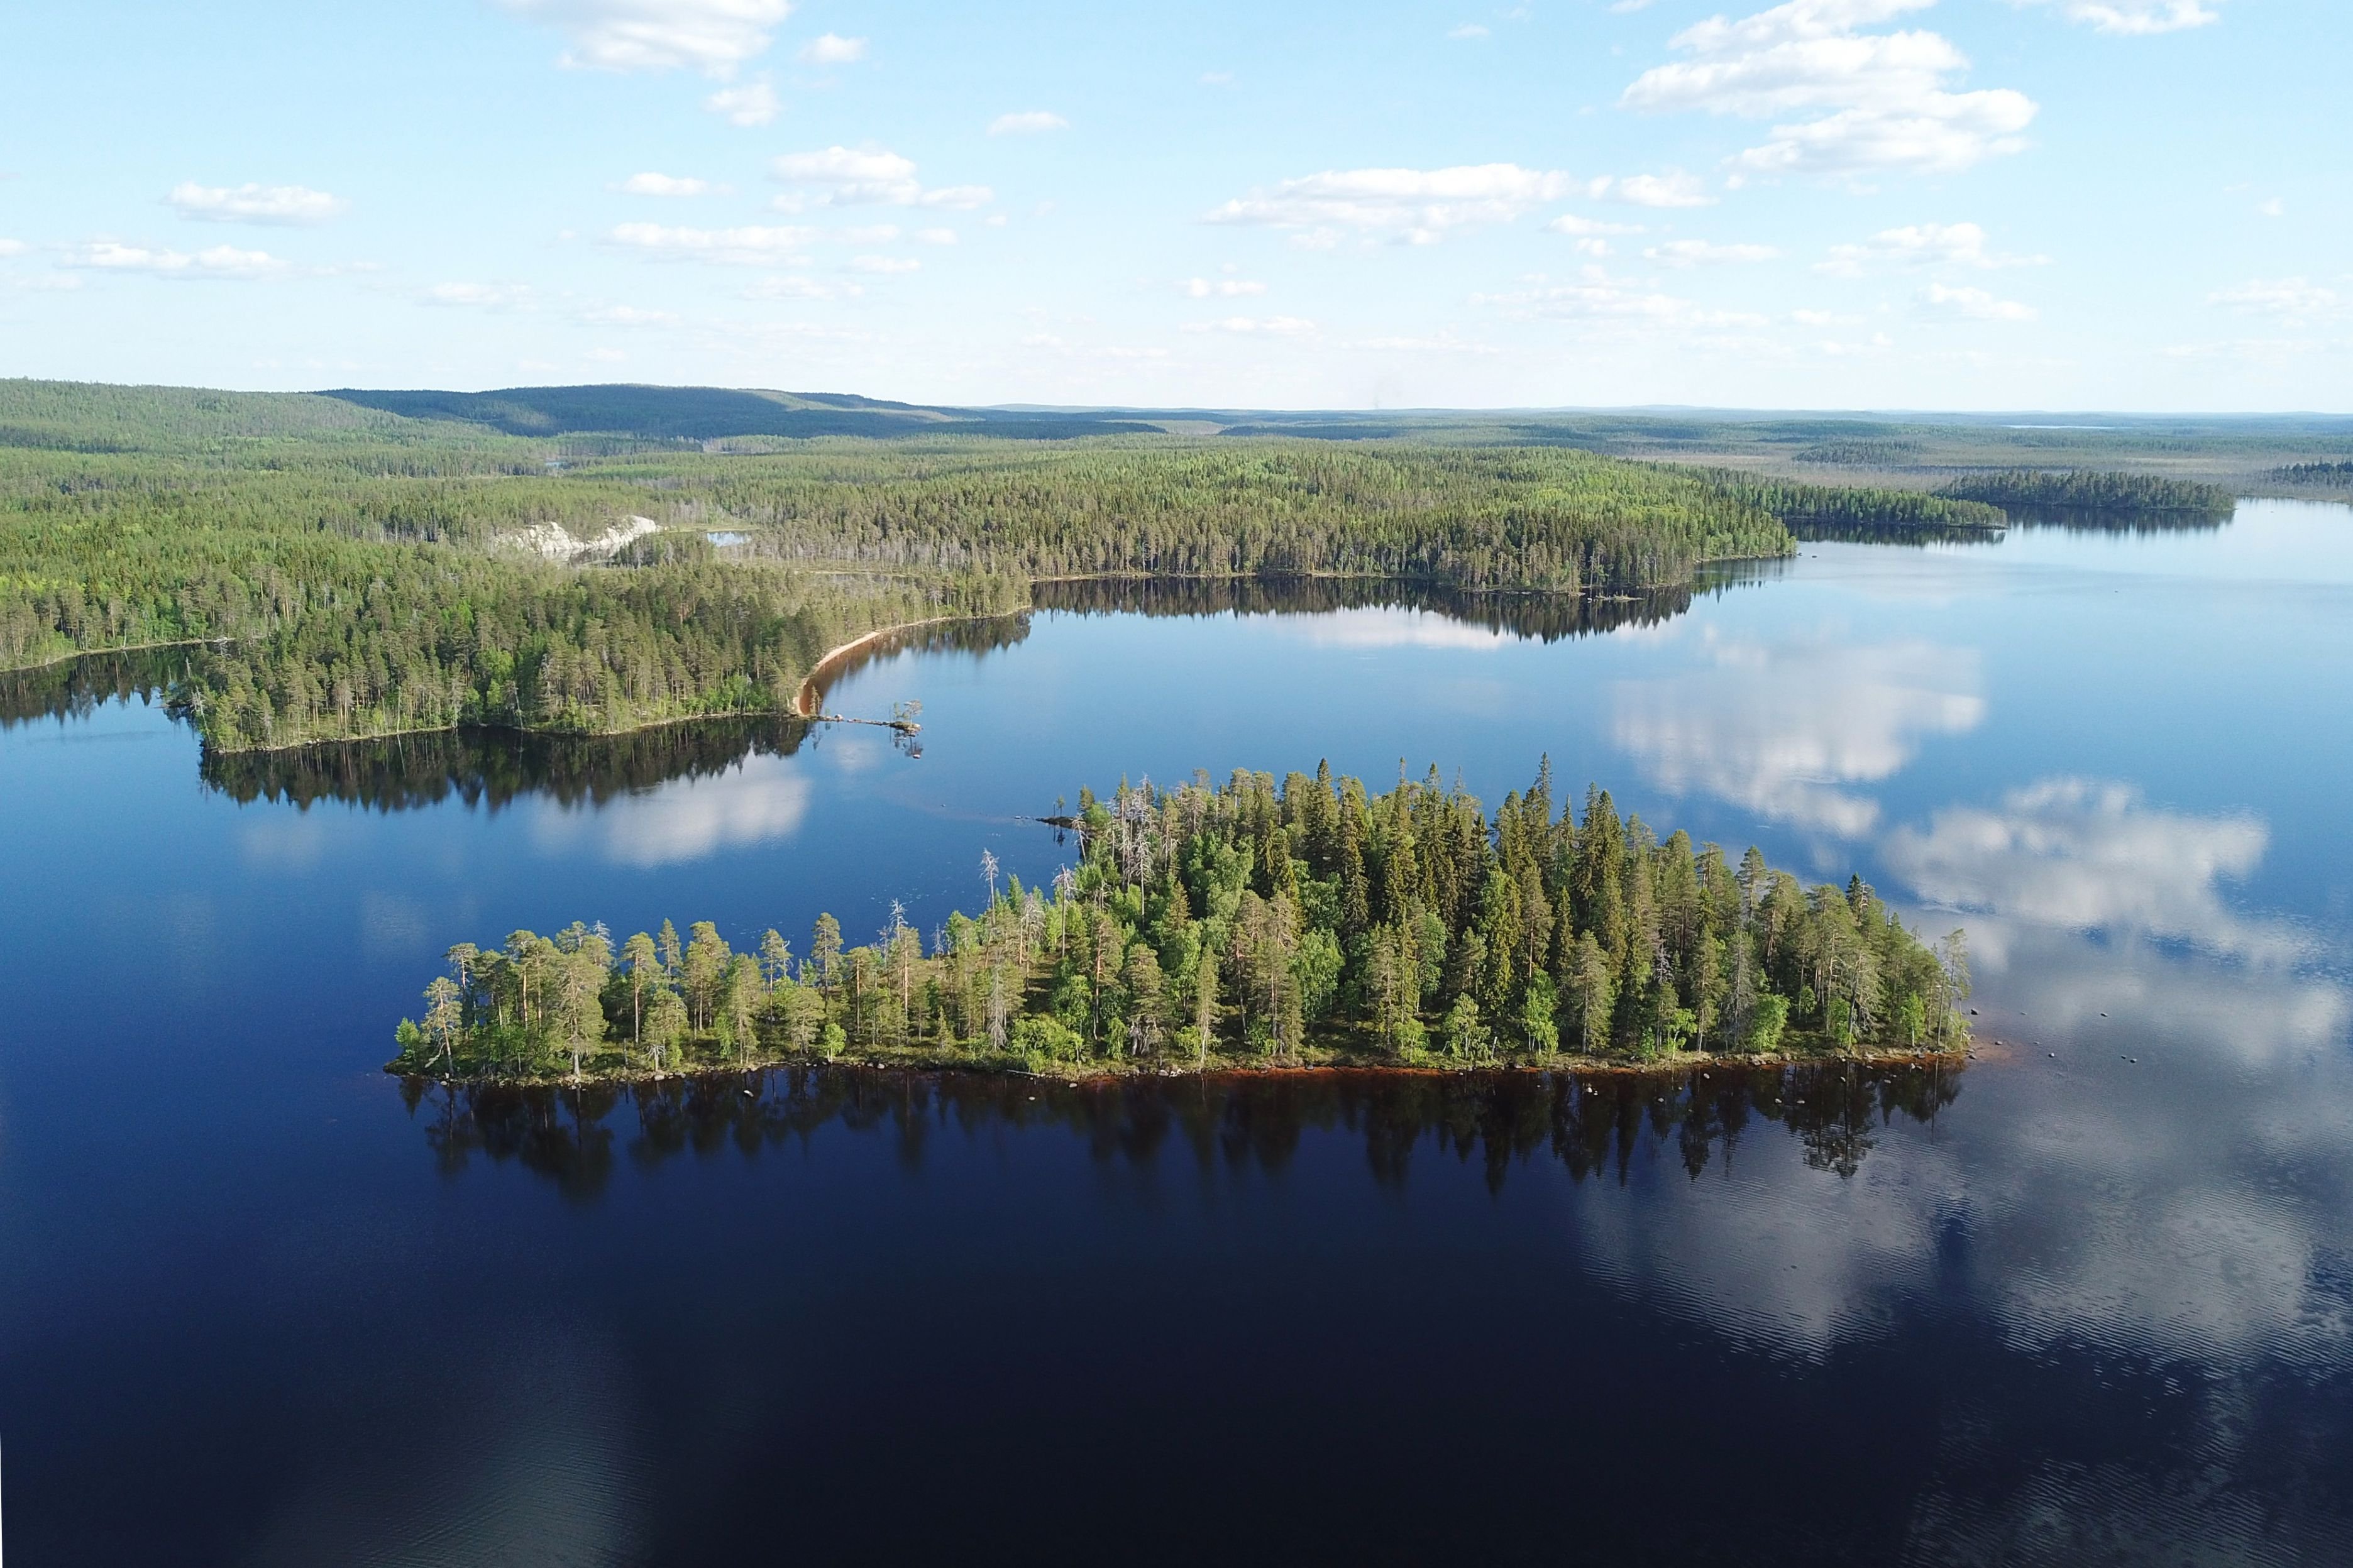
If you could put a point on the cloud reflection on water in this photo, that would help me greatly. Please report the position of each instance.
(763, 799)
(2084, 855)
(1779, 727)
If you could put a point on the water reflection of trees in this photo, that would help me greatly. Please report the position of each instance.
(75, 688)
(494, 767)
(2089, 520)
(980, 637)
(1545, 616)
(1593, 1125)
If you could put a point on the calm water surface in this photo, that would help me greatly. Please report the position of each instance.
(2089, 1300)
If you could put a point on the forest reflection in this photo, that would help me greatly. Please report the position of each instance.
(1595, 1125)
(76, 687)
(1544, 617)
(496, 767)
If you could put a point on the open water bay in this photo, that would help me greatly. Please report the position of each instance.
(2088, 1299)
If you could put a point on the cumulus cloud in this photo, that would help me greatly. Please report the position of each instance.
(1469, 32)
(1217, 288)
(885, 263)
(628, 316)
(1672, 189)
(1704, 253)
(1272, 326)
(2137, 18)
(846, 176)
(13, 247)
(2294, 300)
(220, 261)
(714, 36)
(750, 245)
(1596, 299)
(1028, 122)
(1920, 245)
(1416, 206)
(833, 49)
(752, 104)
(1846, 101)
(1584, 228)
(479, 296)
(935, 237)
(652, 184)
(254, 203)
(1976, 304)
(798, 288)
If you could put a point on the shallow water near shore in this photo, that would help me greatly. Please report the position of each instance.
(2088, 1299)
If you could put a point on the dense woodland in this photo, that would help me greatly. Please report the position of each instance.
(2076, 490)
(1247, 925)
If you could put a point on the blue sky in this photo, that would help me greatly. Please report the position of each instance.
(1915, 204)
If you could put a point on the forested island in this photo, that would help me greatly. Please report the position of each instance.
(1249, 925)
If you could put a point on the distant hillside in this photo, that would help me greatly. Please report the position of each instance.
(712, 413)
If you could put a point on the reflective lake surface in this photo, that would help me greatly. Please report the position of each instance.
(2089, 1299)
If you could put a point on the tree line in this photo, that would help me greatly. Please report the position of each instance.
(2085, 490)
(1248, 925)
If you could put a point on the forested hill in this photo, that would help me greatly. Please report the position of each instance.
(356, 570)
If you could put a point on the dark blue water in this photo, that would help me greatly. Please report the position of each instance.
(259, 1305)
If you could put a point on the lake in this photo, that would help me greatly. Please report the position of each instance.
(2087, 1299)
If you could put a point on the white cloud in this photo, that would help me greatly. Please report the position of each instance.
(1220, 287)
(2138, 17)
(833, 49)
(752, 104)
(12, 248)
(1275, 326)
(1413, 204)
(479, 296)
(1921, 244)
(1879, 100)
(714, 36)
(1704, 253)
(1217, 78)
(2294, 300)
(1598, 298)
(886, 264)
(1469, 32)
(219, 261)
(628, 316)
(750, 246)
(254, 203)
(1974, 303)
(1570, 224)
(1672, 189)
(935, 237)
(1028, 122)
(846, 176)
(652, 184)
(797, 287)
(2271, 207)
